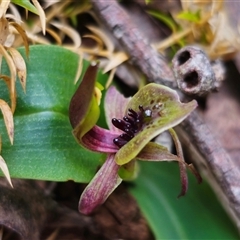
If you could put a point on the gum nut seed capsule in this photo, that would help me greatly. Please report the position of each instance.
(193, 71)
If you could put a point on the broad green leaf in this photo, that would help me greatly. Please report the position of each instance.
(44, 147)
(166, 112)
(26, 4)
(198, 215)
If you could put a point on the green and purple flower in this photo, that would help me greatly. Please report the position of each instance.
(133, 123)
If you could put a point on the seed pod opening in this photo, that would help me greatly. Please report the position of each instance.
(193, 71)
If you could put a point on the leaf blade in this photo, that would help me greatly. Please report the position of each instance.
(26, 4)
(155, 191)
(44, 147)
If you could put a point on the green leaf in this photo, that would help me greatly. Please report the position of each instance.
(26, 4)
(198, 215)
(190, 16)
(44, 147)
(165, 19)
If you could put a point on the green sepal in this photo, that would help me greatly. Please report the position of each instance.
(129, 171)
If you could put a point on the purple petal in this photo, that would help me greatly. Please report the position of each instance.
(81, 99)
(101, 186)
(115, 106)
(155, 152)
(184, 179)
(98, 140)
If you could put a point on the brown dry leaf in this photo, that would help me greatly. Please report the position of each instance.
(172, 39)
(7, 80)
(8, 119)
(12, 69)
(12, 17)
(193, 6)
(4, 30)
(48, 3)
(110, 78)
(97, 39)
(3, 7)
(10, 41)
(102, 39)
(41, 14)
(221, 39)
(225, 39)
(20, 66)
(95, 52)
(15, 13)
(23, 34)
(5, 171)
(115, 60)
(70, 32)
(80, 67)
(37, 39)
(107, 41)
(58, 7)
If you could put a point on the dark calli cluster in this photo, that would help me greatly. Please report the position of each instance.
(130, 125)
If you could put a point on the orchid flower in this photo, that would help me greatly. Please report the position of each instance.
(133, 123)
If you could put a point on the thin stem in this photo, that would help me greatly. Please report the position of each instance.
(182, 166)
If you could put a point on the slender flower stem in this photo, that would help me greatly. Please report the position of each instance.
(182, 167)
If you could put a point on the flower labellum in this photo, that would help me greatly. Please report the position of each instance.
(159, 109)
